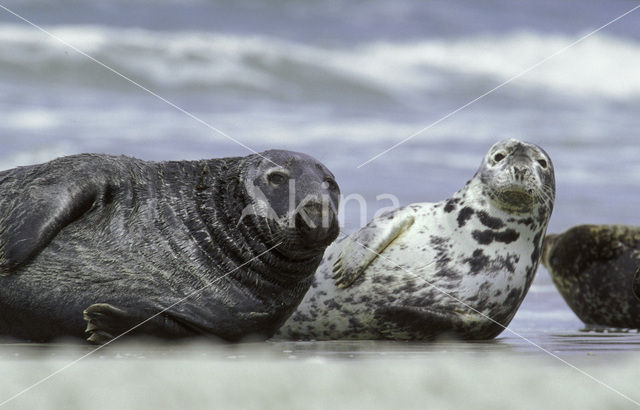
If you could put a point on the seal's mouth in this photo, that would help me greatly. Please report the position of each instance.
(515, 198)
(317, 224)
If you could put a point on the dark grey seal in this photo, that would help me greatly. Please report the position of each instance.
(460, 267)
(122, 239)
(593, 267)
(636, 284)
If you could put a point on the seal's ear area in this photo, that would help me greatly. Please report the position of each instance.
(364, 246)
(544, 159)
(424, 323)
(36, 217)
(636, 284)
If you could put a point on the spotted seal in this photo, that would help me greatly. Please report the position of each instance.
(189, 245)
(593, 267)
(481, 247)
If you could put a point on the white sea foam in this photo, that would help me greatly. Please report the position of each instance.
(392, 376)
(603, 65)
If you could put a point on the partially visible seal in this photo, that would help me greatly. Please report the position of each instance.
(636, 284)
(220, 247)
(461, 266)
(593, 267)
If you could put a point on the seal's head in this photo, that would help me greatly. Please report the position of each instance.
(567, 256)
(595, 268)
(518, 176)
(297, 195)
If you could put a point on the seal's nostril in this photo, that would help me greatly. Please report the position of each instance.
(520, 173)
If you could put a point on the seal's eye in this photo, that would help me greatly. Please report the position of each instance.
(498, 157)
(542, 163)
(277, 178)
(331, 184)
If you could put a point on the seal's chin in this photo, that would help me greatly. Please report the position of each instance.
(514, 198)
(316, 231)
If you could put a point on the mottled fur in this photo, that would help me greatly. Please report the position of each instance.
(593, 267)
(481, 246)
(122, 239)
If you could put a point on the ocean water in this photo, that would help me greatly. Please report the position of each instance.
(343, 81)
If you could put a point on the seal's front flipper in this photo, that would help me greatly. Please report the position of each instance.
(180, 319)
(419, 323)
(105, 322)
(363, 246)
(37, 215)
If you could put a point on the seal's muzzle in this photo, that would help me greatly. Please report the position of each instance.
(317, 222)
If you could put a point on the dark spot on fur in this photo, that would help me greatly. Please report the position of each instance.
(384, 279)
(510, 262)
(490, 221)
(408, 287)
(483, 237)
(513, 298)
(451, 205)
(535, 255)
(464, 215)
(440, 245)
(449, 273)
(526, 221)
(301, 317)
(437, 240)
(477, 261)
(364, 299)
(331, 304)
(442, 260)
(488, 236)
(354, 323)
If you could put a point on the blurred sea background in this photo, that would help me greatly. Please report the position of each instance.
(343, 81)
